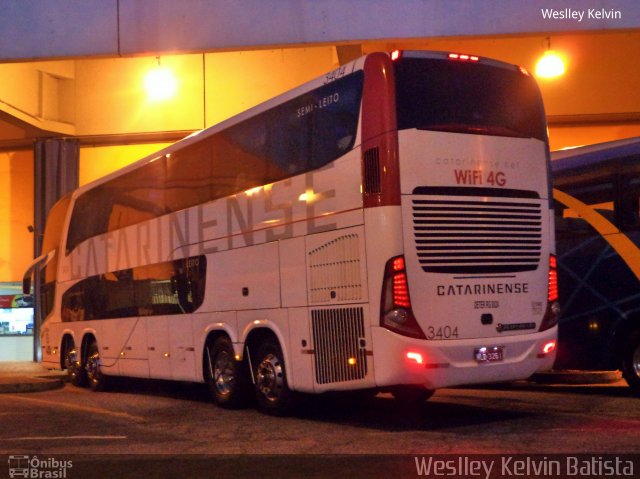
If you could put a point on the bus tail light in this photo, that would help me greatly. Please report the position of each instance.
(395, 312)
(553, 307)
(553, 278)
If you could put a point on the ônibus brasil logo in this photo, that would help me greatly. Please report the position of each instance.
(33, 467)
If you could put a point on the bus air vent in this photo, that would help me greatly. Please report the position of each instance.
(334, 271)
(372, 171)
(338, 338)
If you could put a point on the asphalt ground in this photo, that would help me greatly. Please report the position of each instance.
(26, 376)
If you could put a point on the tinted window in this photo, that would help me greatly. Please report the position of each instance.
(468, 97)
(172, 287)
(630, 202)
(129, 199)
(300, 135)
(614, 193)
(51, 241)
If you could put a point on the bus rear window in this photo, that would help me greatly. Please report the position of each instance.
(468, 97)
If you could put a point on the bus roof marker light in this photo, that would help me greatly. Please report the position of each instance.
(395, 55)
(463, 57)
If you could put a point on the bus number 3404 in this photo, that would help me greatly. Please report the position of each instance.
(443, 332)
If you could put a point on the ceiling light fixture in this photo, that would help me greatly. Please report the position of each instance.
(160, 83)
(551, 65)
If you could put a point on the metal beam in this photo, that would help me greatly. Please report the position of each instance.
(33, 29)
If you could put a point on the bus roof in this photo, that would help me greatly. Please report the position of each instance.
(593, 155)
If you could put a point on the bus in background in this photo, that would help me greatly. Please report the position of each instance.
(597, 196)
(386, 226)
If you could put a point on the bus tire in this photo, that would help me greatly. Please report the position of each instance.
(227, 378)
(72, 363)
(273, 395)
(631, 362)
(93, 368)
(411, 395)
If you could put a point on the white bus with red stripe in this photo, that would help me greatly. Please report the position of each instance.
(383, 227)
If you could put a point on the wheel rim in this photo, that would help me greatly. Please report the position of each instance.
(71, 363)
(635, 361)
(223, 374)
(270, 377)
(93, 368)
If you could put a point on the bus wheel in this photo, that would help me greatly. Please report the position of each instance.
(93, 367)
(272, 392)
(227, 378)
(75, 371)
(631, 362)
(411, 395)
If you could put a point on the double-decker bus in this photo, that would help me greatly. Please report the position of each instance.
(386, 226)
(597, 193)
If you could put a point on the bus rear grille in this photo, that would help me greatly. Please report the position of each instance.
(340, 348)
(474, 236)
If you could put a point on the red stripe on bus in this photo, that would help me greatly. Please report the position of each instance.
(379, 128)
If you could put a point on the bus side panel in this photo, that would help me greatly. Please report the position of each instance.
(159, 346)
(300, 372)
(183, 356)
(293, 272)
(171, 348)
(112, 337)
(244, 278)
(134, 362)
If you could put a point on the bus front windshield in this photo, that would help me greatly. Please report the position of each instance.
(468, 97)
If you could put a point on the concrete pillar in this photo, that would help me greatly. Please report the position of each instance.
(55, 174)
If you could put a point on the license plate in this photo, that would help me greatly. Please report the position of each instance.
(489, 354)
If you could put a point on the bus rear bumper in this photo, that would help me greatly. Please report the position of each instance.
(434, 364)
